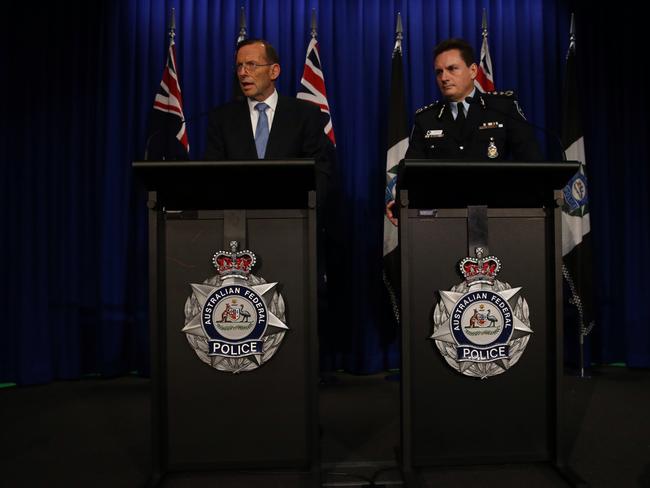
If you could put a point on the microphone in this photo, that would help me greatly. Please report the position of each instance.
(475, 101)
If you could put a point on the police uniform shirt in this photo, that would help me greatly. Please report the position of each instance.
(494, 129)
(454, 105)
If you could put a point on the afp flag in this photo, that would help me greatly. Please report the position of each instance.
(576, 236)
(313, 86)
(167, 134)
(398, 142)
(484, 80)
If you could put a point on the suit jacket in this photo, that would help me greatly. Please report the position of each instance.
(495, 129)
(297, 132)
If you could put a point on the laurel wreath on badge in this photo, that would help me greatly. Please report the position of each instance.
(234, 320)
(482, 325)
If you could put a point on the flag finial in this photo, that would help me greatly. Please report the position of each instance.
(572, 37)
(242, 25)
(172, 25)
(314, 25)
(484, 23)
(399, 34)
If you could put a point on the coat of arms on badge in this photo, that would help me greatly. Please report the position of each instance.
(482, 325)
(234, 321)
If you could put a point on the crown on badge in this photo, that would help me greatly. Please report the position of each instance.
(480, 269)
(234, 263)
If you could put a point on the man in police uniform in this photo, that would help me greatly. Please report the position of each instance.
(469, 124)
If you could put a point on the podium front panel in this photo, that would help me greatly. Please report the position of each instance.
(456, 419)
(259, 418)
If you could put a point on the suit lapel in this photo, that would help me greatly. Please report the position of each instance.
(281, 124)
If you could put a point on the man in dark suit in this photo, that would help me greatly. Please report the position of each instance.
(469, 124)
(266, 125)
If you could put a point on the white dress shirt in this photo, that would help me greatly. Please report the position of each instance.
(272, 102)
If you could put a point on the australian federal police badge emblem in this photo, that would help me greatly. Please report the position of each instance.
(482, 325)
(234, 321)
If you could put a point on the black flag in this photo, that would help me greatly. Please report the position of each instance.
(398, 142)
(576, 236)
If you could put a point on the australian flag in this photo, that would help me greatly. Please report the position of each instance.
(484, 78)
(167, 139)
(313, 86)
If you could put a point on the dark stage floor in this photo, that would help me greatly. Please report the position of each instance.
(97, 433)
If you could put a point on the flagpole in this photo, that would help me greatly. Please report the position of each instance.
(581, 335)
(172, 25)
(484, 25)
(243, 34)
(399, 34)
(314, 25)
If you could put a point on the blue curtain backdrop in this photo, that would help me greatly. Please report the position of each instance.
(79, 83)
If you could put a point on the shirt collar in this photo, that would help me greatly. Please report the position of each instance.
(272, 102)
(464, 101)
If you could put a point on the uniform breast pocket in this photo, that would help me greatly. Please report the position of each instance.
(437, 143)
(496, 134)
(492, 142)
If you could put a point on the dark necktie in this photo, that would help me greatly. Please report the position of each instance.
(460, 114)
(262, 130)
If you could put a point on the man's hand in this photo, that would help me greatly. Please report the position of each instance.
(389, 213)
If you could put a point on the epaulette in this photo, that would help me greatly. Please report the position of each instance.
(505, 94)
(427, 107)
(510, 95)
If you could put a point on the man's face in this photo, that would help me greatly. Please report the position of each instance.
(455, 79)
(258, 83)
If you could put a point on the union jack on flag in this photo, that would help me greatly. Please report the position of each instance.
(313, 85)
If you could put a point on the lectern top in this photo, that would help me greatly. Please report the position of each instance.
(454, 183)
(229, 184)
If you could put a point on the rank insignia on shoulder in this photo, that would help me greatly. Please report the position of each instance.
(434, 133)
(426, 107)
(506, 93)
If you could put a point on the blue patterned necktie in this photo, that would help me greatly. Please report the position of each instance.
(262, 130)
